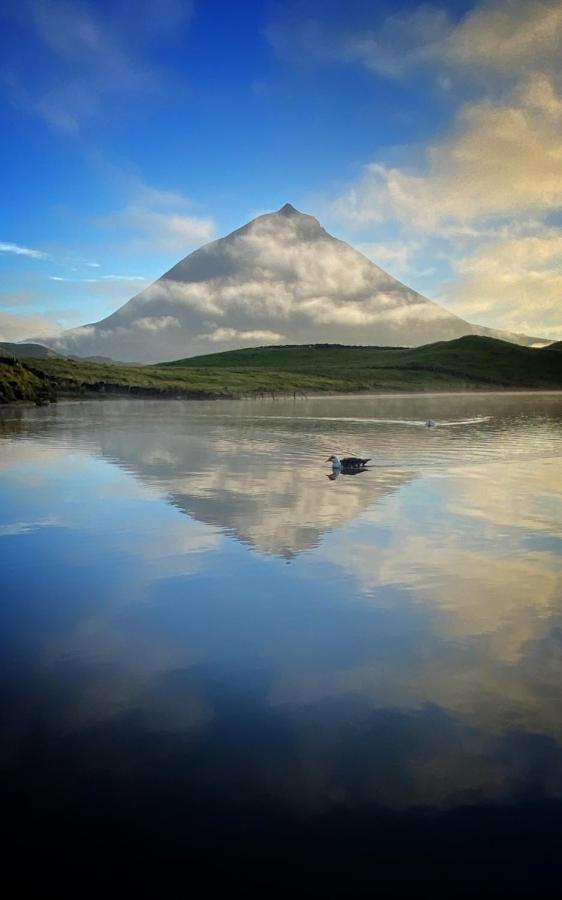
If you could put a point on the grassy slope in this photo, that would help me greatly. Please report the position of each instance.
(466, 363)
(474, 360)
(18, 383)
(27, 351)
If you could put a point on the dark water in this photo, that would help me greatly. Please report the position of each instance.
(215, 657)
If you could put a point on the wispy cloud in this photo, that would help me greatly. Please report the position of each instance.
(160, 220)
(96, 280)
(22, 297)
(18, 250)
(220, 335)
(87, 53)
(506, 37)
(164, 231)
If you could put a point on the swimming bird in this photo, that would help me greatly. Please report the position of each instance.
(348, 462)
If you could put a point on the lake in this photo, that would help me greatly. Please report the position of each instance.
(213, 652)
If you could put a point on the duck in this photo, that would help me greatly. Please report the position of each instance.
(348, 462)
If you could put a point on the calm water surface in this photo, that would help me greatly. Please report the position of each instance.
(211, 650)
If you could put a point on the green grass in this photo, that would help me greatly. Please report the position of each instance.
(19, 384)
(462, 364)
(25, 351)
(475, 361)
(472, 358)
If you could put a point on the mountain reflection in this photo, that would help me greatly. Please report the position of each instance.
(248, 485)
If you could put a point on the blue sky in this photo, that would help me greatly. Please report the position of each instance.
(427, 136)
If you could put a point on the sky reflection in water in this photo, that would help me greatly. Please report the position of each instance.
(190, 594)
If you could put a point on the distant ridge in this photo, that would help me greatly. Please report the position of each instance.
(27, 350)
(279, 279)
(477, 359)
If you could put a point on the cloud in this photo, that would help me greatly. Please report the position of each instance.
(157, 323)
(160, 220)
(232, 334)
(22, 251)
(398, 255)
(499, 159)
(275, 275)
(164, 231)
(97, 280)
(505, 37)
(509, 36)
(86, 54)
(17, 328)
(517, 281)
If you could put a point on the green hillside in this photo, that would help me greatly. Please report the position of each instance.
(469, 363)
(27, 351)
(19, 384)
(472, 359)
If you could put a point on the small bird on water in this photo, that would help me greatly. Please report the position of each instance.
(348, 462)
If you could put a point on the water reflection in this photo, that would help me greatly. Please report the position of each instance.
(357, 470)
(197, 614)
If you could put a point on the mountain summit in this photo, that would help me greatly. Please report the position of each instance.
(279, 279)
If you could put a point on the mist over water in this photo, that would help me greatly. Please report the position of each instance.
(205, 642)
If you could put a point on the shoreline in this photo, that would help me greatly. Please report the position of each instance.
(116, 396)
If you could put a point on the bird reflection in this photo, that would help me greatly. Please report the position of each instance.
(335, 473)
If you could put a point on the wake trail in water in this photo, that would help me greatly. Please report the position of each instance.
(475, 420)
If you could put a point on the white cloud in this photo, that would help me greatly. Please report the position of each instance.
(97, 280)
(157, 323)
(232, 334)
(160, 220)
(122, 278)
(517, 281)
(500, 159)
(22, 251)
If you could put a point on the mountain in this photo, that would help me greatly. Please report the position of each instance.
(280, 279)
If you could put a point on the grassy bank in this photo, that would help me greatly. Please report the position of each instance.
(470, 363)
(19, 384)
